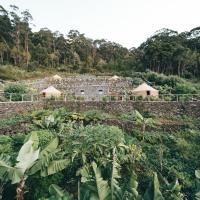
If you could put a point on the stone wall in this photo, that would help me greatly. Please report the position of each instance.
(90, 84)
(8, 109)
(156, 108)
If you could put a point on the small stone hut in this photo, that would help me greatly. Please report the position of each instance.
(145, 90)
(51, 92)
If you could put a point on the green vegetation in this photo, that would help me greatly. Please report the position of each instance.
(70, 155)
(167, 51)
(15, 91)
(77, 157)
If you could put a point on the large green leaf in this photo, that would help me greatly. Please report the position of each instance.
(93, 187)
(115, 188)
(174, 190)
(25, 160)
(47, 155)
(102, 187)
(139, 117)
(27, 154)
(55, 189)
(57, 165)
(15, 175)
(133, 184)
(52, 146)
(153, 191)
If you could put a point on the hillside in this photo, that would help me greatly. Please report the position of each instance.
(85, 137)
(167, 51)
(73, 127)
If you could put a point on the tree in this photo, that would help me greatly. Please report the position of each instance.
(27, 18)
(3, 49)
(30, 160)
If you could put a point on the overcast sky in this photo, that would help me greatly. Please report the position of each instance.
(128, 22)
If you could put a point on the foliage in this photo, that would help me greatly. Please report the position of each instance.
(17, 90)
(57, 193)
(90, 156)
(93, 143)
(153, 191)
(166, 51)
(197, 174)
(94, 186)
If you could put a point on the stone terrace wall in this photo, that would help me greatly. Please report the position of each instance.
(156, 108)
(8, 109)
(73, 84)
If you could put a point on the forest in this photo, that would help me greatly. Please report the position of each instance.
(166, 51)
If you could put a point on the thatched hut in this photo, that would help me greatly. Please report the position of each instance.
(51, 92)
(57, 78)
(145, 90)
(114, 78)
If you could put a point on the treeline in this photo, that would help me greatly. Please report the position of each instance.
(165, 52)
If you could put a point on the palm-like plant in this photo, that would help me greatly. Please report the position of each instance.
(57, 193)
(26, 158)
(94, 187)
(153, 191)
(143, 122)
(29, 161)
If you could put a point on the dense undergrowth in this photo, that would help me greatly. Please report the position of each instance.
(96, 155)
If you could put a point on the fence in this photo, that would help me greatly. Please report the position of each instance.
(12, 97)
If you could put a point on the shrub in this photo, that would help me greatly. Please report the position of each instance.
(16, 90)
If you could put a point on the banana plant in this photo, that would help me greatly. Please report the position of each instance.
(197, 174)
(57, 193)
(153, 192)
(50, 160)
(114, 186)
(143, 122)
(27, 156)
(93, 186)
(49, 122)
(131, 192)
(31, 160)
(173, 190)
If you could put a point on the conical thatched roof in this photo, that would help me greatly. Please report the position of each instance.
(115, 77)
(57, 77)
(51, 91)
(144, 87)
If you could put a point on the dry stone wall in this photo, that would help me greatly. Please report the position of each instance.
(90, 84)
(157, 108)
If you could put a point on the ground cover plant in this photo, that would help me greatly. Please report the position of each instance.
(80, 158)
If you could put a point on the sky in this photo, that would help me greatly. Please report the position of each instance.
(127, 22)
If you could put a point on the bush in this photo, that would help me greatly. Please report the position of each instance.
(185, 89)
(16, 90)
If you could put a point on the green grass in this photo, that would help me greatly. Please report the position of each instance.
(9, 72)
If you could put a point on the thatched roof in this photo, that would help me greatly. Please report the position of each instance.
(144, 87)
(57, 77)
(115, 77)
(51, 90)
